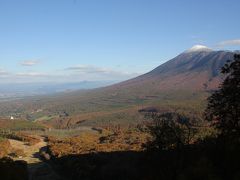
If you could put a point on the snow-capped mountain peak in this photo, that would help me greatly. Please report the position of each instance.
(198, 48)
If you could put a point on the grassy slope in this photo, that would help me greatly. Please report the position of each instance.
(104, 105)
(17, 125)
(123, 109)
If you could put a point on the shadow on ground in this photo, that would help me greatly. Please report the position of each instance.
(206, 161)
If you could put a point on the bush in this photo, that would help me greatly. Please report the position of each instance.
(169, 131)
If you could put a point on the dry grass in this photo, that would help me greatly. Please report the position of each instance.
(21, 136)
(5, 147)
(19, 125)
(108, 141)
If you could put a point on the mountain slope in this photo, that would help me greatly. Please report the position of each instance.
(194, 70)
(183, 82)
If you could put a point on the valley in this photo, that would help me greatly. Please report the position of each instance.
(80, 133)
(185, 86)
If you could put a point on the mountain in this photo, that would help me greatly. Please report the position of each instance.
(195, 69)
(184, 82)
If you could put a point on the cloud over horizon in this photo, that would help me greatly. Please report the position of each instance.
(100, 71)
(87, 69)
(29, 62)
(233, 42)
(32, 74)
(75, 73)
(3, 72)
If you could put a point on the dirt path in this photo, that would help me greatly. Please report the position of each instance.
(38, 169)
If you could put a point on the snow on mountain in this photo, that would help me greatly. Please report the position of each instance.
(198, 48)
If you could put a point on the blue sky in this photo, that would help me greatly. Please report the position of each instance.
(75, 40)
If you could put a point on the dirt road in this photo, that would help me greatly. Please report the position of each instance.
(38, 169)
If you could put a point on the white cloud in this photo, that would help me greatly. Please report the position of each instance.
(32, 74)
(233, 42)
(71, 74)
(29, 63)
(98, 73)
(3, 72)
(87, 69)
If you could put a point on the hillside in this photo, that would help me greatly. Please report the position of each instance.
(183, 82)
(191, 70)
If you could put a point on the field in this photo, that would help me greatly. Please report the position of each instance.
(18, 125)
(97, 107)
